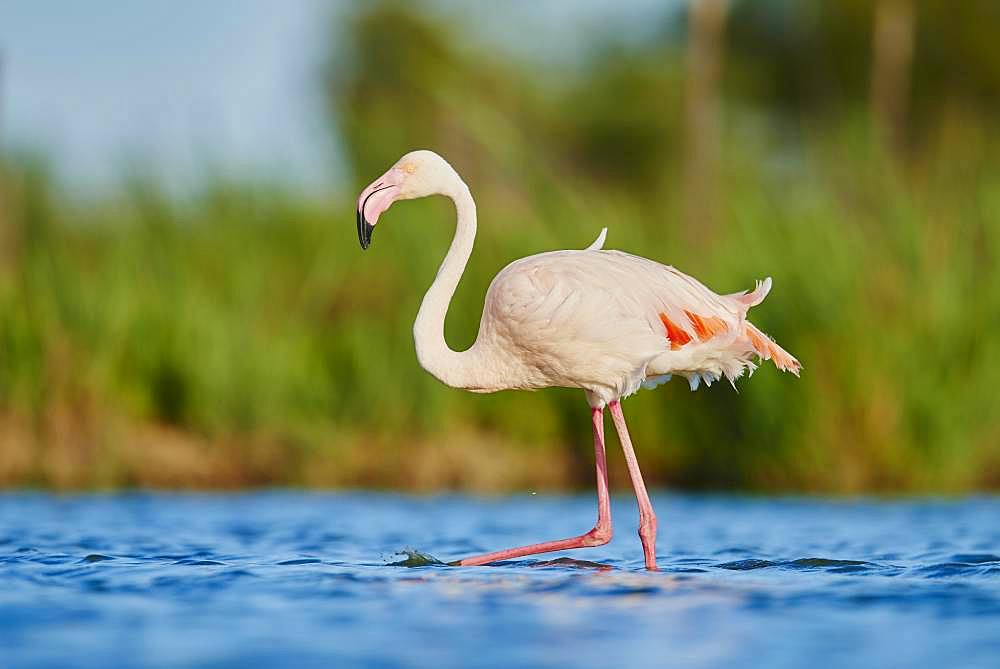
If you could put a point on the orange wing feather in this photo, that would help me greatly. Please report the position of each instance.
(706, 327)
(676, 335)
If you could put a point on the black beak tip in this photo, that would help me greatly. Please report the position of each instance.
(364, 231)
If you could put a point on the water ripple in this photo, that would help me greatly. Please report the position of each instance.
(747, 564)
(287, 579)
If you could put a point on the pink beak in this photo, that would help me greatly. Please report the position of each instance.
(374, 200)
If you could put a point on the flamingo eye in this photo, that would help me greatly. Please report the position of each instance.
(409, 168)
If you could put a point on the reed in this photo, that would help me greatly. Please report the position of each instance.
(237, 335)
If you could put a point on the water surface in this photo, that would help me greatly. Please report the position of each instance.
(306, 580)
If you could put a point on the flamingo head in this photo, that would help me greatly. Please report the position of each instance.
(417, 174)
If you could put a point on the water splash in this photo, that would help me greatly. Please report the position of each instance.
(415, 558)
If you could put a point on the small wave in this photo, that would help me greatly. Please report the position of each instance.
(948, 569)
(814, 562)
(56, 558)
(747, 565)
(803, 564)
(975, 558)
(573, 564)
(96, 557)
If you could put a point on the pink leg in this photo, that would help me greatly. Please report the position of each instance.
(600, 535)
(647, 518)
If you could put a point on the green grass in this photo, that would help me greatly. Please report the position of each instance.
(247, 325)
(238, 335)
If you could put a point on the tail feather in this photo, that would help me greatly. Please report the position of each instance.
(756, 296)
(767, 349)
(598, 243)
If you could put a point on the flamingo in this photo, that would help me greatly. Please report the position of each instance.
(604, 321)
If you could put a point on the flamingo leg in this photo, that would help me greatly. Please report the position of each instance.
(600, 535)
(647, 518)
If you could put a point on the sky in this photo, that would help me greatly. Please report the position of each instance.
(188, 86)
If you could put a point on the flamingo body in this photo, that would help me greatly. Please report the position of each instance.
(604, 321)
(610, 323)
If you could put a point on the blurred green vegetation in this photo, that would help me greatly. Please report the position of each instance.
(238, 336)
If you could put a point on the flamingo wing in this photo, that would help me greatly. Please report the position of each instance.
(583, 318)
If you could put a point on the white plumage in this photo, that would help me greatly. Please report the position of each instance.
(605, 321)
(593, 319)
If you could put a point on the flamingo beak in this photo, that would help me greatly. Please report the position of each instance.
(373, 202)
(364, 231)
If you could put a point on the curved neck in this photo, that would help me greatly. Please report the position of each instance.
(457, 369)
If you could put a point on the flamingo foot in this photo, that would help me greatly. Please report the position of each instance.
(598, 536)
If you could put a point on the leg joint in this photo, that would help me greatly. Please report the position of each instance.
(647, 524)
(597, 536)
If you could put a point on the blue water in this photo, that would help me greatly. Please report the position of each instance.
(304, 580)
